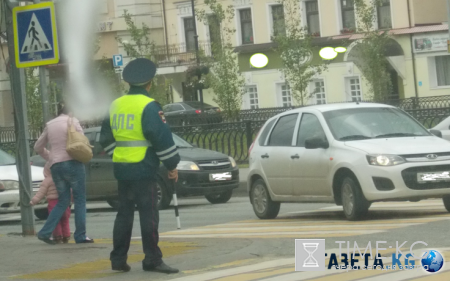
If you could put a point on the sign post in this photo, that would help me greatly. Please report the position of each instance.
(17, 77)
(32, 42)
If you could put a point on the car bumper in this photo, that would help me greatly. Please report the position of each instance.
(10, 202)
(400, 182)
(198, 182)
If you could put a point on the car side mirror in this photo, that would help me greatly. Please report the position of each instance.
(316, 142)
(437, 133)
(194, 145)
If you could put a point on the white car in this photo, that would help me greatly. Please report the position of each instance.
(9, 184)
(352, 154)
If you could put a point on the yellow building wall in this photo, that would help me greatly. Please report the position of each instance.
(399, 13)
(328, 12)
(429, 11)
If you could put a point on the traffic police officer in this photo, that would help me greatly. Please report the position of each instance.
(136, 135)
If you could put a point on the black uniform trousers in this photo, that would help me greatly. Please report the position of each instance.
(142, 193)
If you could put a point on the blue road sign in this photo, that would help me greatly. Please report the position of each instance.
(117, 60)
(35, 37)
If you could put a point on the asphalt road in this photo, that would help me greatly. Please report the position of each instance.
(227, 242)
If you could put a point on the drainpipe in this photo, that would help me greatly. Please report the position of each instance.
(412, 52)
(165, 29)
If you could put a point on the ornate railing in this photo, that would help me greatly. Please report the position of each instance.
(234, 138)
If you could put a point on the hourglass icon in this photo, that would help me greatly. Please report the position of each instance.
(310, 260)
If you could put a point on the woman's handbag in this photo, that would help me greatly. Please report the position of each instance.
(78, 146)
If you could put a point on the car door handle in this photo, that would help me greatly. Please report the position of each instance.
(295, 156)
(265, 156)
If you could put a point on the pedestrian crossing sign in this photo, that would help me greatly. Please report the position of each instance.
(35, 37)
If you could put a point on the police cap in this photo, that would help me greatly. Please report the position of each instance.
(139, 72)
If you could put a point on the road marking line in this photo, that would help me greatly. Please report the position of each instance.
(238, 270)
(262, 234)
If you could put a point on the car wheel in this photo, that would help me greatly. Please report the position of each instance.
(41, 214)
(219, 198)
(354, 204)
(263, 206)
(446, 200)
(164, 198)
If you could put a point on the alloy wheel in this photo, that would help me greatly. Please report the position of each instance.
(348, 199)
(260, 198)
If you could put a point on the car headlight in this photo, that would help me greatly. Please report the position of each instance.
(9, 185)
(233, 163)
(385, 160)
(187, 166)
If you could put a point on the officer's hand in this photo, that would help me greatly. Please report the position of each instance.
(173, 175)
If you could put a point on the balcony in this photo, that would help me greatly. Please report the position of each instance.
(179, 54)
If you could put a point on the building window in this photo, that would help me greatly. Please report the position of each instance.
(285, 94)
(348, 14)
(279, 26)
(312, 17)
(189, 33)
(354, 88)
(214, 33)
(443, 70)
(252, 97)
(384, 14)
(319, 92)
(245, 17)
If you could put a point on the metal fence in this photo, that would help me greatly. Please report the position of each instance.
(234, 138)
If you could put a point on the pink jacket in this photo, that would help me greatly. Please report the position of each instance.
(47, 188)
(55, 133)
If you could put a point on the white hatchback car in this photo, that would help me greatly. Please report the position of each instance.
(351, 154)
(9, 184)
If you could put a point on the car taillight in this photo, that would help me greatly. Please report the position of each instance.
(198, 111)
(218, 110)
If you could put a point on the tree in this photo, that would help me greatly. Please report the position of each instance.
(34, 99)
(369, 53)
(295, 47)
(142, 47)
(224, 76)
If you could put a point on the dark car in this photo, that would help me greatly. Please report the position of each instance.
(189, 113)
(201, 173)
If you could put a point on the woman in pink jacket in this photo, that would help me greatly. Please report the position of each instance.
(61, 234)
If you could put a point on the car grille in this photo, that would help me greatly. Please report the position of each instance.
(441, 156)
(211, 165)
(410, 177)
(36, 184)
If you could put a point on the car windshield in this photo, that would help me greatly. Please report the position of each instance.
(179, 142)
(6, 159)
(373, 122)
(197, 105)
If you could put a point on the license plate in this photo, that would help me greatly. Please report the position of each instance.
(433, 177)
(220, 177)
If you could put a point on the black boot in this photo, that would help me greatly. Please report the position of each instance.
(124, 267)
(163, 268)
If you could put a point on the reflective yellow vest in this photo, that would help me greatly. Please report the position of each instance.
(125, 117)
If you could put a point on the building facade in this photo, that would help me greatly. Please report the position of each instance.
(418, 56)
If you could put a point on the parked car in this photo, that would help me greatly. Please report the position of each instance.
(9, 183)
(188, 113)
(201, 173)
(350, 154)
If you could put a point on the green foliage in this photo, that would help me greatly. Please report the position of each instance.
(296, 49)
(142, 47)
(370, 51)
(224, 77)
(34, 99)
